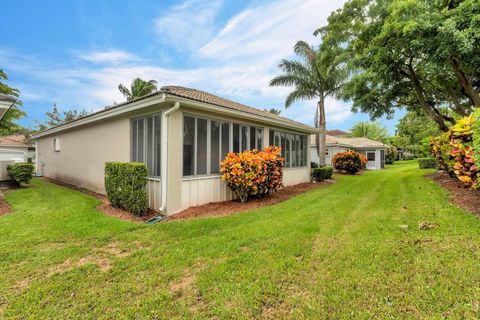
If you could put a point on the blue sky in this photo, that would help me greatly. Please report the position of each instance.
(75, 53)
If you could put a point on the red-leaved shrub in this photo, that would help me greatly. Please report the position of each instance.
(253, 173)
(348, 161)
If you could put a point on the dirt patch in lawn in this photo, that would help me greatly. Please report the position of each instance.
(466, 198)
(4, 206)
(230, 207)
(105, 206)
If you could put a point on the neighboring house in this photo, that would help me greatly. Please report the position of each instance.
(373, 150)
(181, 134)
(337, 133)
(16, 148)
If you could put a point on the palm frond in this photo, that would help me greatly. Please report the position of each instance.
(124, 90)
(298, 95)
(305, 50)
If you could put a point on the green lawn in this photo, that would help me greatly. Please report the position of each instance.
(334, 252)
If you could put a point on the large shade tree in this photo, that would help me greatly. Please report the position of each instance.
(413, 54)
(315, 76)
(138, 88)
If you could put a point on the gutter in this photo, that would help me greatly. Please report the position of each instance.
(164, 152)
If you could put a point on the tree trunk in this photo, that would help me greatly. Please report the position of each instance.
(465, 82)
(431, 111)
(322, 132)
(457, 106)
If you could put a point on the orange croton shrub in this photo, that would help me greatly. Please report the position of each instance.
(363, 160)
(253, 173)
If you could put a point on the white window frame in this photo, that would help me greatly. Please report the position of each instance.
(230, 148)
(145, 139)
(56, 144)
(293, 136)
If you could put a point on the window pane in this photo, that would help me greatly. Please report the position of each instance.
(371, 156)
(259, 139)
(244, 138)
(288, 149)
(201, 146)
(236, 137)
(188, 145)
(140, 141)
(283, 146)
(157, 145)
(253, 138)
(297, 151)
(277, 139)
(271, 141)
(134, 140)
(149, 146)
(225, 139)
(214, 147)
(306, 146)
(294, 150)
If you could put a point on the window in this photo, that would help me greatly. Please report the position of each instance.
(206, 142)
(382, 159)
(294, 147)
(145, 143)
(56, 144)
(371, 156)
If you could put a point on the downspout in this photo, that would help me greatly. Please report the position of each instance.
(164, 152)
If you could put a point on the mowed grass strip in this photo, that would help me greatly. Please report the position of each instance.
(343, 251)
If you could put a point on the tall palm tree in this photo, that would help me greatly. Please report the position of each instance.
(138, 88)
(315, 76)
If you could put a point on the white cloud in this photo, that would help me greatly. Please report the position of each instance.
(188, 25)
(109, 56)
(237, 61)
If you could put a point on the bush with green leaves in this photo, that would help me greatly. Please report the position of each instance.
(21, 173)
(125, 184)
(322, 173)
(427, 163)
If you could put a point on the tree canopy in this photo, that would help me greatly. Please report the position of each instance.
(56, 117)
(413, 54)
(372, 130)
(8, 125)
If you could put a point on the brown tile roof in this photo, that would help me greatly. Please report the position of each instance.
(206, 97)
(14, 140)
(337, 132)
(350, 142)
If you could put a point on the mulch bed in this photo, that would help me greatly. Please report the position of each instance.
(231, 207)
(466, 198)
(105, 206)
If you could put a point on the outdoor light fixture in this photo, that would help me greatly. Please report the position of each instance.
(6, 102)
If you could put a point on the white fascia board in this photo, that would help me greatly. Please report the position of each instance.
(114, 111)
(240, 114)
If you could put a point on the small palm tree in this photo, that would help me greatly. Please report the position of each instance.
(315, 76)
(138, 88)
(274, 111)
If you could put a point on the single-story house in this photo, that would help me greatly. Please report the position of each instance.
(373, 150)
(16, 148)
(181, 134)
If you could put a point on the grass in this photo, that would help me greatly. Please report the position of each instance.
(334, 252)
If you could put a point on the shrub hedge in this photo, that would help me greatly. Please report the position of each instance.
(322, 173)
(125, 184)
(21, 173)
(427, 163)
(253, 173)
(348, 161)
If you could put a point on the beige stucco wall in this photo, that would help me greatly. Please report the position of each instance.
(84, 151)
